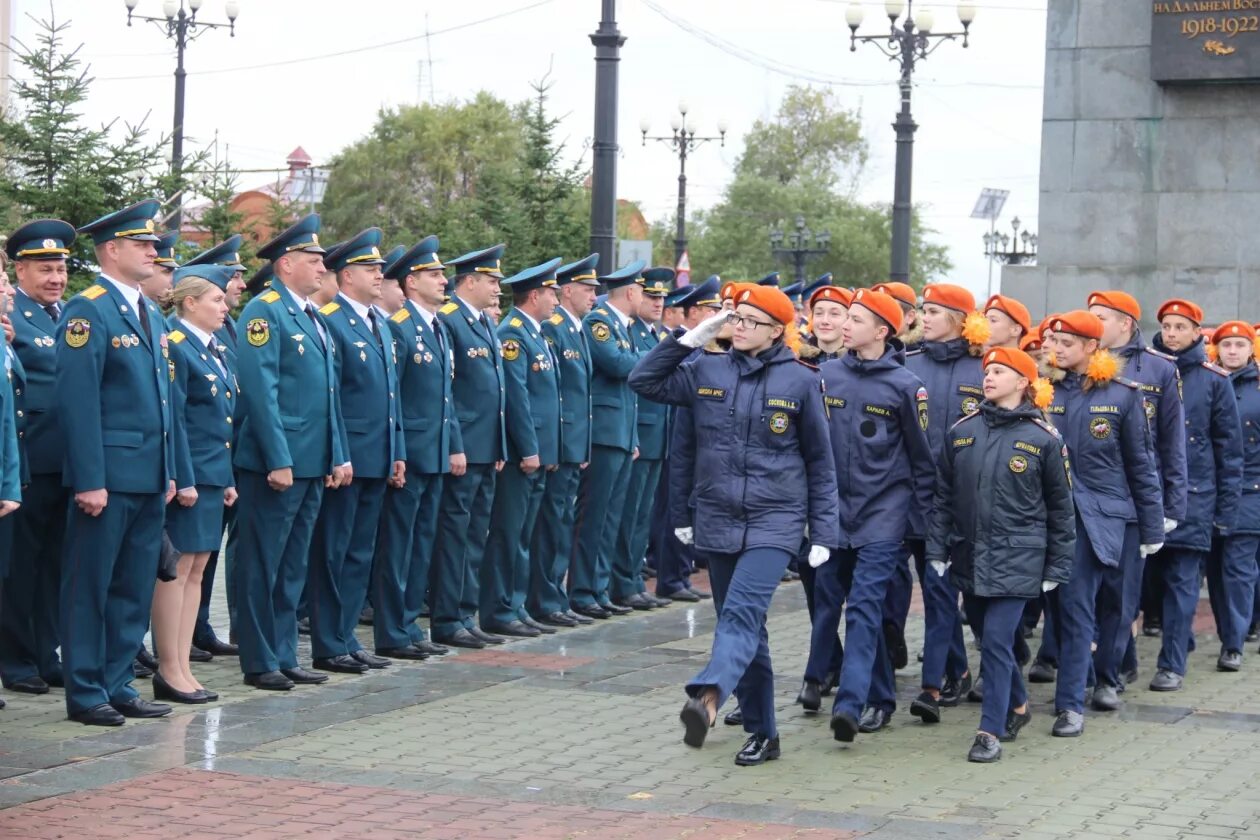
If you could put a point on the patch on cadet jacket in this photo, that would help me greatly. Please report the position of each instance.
(511, 350)
(258, 331)
(920, 400)
(783, 402)
(92, 292)
(78, 331)
(1018, 463)
(600, 331)
(1031, 449)
(969, 405)
(711, 393)
(779, 422)
(270, 297)
(963, 441)
(1100, 427)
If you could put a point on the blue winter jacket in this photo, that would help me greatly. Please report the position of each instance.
(1157, 373)
(1246, 384)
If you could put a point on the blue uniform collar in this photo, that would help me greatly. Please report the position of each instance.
(1195, 354)
(946, 351)
(888, 361)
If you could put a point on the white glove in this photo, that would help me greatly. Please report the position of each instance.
(1049, 585)
(818, 554)
(705, 331)
(686, 536)
(1148, 550)
(939, 567)
(1170, 525)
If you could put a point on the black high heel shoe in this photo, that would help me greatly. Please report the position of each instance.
(162, 690)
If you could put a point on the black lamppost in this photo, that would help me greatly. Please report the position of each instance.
(182, 27)
(913, 41)
(607, 40)
(798, 245)
(684, 141)
(1014, 249)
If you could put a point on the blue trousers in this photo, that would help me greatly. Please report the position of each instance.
(204, 632)
(462, 530)
(1182, 575)
(900, 593)
(340, 569)
(739, 664)
(505, 568)
(552, 544)
(1231, 577)
(109, 569)
(400, 567)
(275, 541)
(1049, 650)
(601, 501)
(998, 621)
(30, 604)
(944, 650)
(866, 678)
(632, 536)
(809, 583)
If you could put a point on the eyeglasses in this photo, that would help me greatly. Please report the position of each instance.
(748, 323)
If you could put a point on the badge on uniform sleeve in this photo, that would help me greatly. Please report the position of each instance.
(78, 331)
(1018, 463)
(920, 400)
(1100, 427)
(511, 350)
(779, 422)
(1150, 407)
(600, 331)
(258, 331)
(969, 405)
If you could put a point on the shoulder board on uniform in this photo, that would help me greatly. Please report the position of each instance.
(515, 322)
(1160, 354)
(448, 308)
(1047, 427)
(963, 419)
(329, 308)
(1215, 368)
(92, 292)
(556, 320)
(916, 352)
(1122, 380)
(401, 315)
(601, 311)
(809, 365)
(176, 336)
(269, 297)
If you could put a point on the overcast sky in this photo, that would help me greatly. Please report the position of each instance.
(315, 72)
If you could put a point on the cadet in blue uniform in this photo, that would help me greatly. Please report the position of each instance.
(626, 585)
(344, 541)
(762, 438)
(614, 444)
(1214, 469)
(552, 545)
(291, 446)
(203, 399)
(113, 401)
(404, 546)
(877, 414)
(532, 407)
(31, 592)
(1119, 502)
(478, 440)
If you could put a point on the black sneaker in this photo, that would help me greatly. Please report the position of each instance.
(955, 690)
(926, 708)
(984, 749)
(1014, 723)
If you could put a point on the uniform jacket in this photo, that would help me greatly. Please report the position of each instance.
(653, 417)
(532, 386)
(762, 444)
(878, 416)
(113, 394)
(1246, 384)
(368, 381)
(10, 457)
(614, 420)
(35, 342)
(478, 388)
(682, 457)
(204, 400)
(228, 337)
(1113, 471)
(568, 343)
(1157, 373)
(1004, 516)
(1214, 453)
(288, 400)
(426, 365)
(16, 374)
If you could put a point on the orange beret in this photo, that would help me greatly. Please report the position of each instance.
(1234, 329)
(949, 296)
(838, 294)
(1030, 342)
(1078, 322)
(1184, 308)
(1122, 302)
(729, 289)
(898, 291)
(1017, 360)
(883, 306)
(1045, 326)
(1013, 309)
(770, 300)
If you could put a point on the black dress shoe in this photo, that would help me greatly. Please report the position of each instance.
(895, 642)
(926, 708)
(488, 638)
(1152, 627)
(955, 689)
(874, 719)
(660, 602)
(366, 616)
(376, 663)
(301, 676)
(140, 670)
(102, 715)
(580, 619)
(695, 718)
(408, 652)
(593, 611)
(210, 696)
(634, 602)
(140, 708)
(699, 593)
(269, 681)
(1014, 723)
(217, 646)
(683, 595)
(304, 627)
(343, 664)
(831, 681)
(54, 680)
(810, 696)
(461, 638)
(735, 717)
(431, 648)
(1041, 672)
(757, 750)
(616, 609)
(147, 659)
(844, 727)
(514, 629)
(541, 628)
(196, 654)
(28, 685)
(558, 619)
(162, 690)
(984, 749)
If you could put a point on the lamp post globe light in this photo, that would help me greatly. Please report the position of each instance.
(906, 43)
(683, 140)
(798, 248)
(180, 23)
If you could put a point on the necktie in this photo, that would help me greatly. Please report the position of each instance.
(218, 356)
(319, 329)
(53, 310)
(373, 325)
(437, 334)
(142, 312)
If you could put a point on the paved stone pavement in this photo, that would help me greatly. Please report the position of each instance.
(576, 736)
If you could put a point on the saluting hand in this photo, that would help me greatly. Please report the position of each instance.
(399, 478)
(459, 463)
(7, 506)
(281, 479)
(92, 502)
(229, 497)
(530, 465)
(187, 497)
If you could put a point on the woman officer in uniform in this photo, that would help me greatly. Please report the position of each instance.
(761, 437)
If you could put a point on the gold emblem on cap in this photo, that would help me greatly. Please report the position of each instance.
(148, 225)
(50, 243)
(314, 238)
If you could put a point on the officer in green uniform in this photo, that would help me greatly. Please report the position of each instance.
(614, 443)
(464, 515)
(112, 398)
(532, 407)
(291, 445)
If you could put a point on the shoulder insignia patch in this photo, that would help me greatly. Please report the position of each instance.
(600, 331)
(916, 352)
(258, 331)
(602, 311)
(1160, 354)
(1047, 427)
(329, 308)
(1128, 383)
(1217, 369)
(401, 315)
(556, 320)
(515, 322)
(269, 297)
(511, 349)
(176, 336)
(963, 419)
(92, 292)
(448, 308)
(809, 365)
(78, 331)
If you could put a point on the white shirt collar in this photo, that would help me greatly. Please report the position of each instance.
(425, 315)
(621, 316)
(360, 308)
(537, 326)
(197, 331)
(573, 319)
(475, 310)
(130, 293)
(298, 299)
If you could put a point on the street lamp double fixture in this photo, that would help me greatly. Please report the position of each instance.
(799, 245)
(906, 44)
(1016, 248)
(683, 140)
(176, 17)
